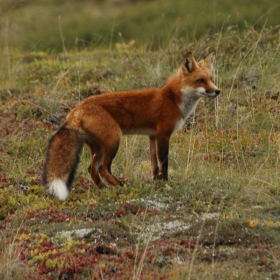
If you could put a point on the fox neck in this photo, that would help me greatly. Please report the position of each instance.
(186, 97)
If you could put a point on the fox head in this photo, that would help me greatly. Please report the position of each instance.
(196, 77)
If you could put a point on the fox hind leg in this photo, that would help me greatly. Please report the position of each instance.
(93, 169)
(109, 152)
(105, 136)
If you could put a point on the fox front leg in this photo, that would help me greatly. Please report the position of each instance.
(162, 144)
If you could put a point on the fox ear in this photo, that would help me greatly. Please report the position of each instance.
(208, 61)
(189, 62)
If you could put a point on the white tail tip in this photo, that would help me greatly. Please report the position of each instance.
(59, 189)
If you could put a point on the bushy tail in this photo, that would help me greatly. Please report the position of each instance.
(62, 159)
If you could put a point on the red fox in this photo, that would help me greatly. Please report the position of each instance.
(101, 120)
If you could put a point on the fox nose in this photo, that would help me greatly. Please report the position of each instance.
(217, 91)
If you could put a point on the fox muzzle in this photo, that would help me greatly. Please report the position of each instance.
(213, 92)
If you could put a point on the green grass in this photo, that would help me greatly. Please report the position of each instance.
(216, 218)
(40, 25)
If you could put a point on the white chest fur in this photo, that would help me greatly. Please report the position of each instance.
(190, 100)
(191, 97)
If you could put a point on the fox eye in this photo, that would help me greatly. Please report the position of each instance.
(201, 81)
